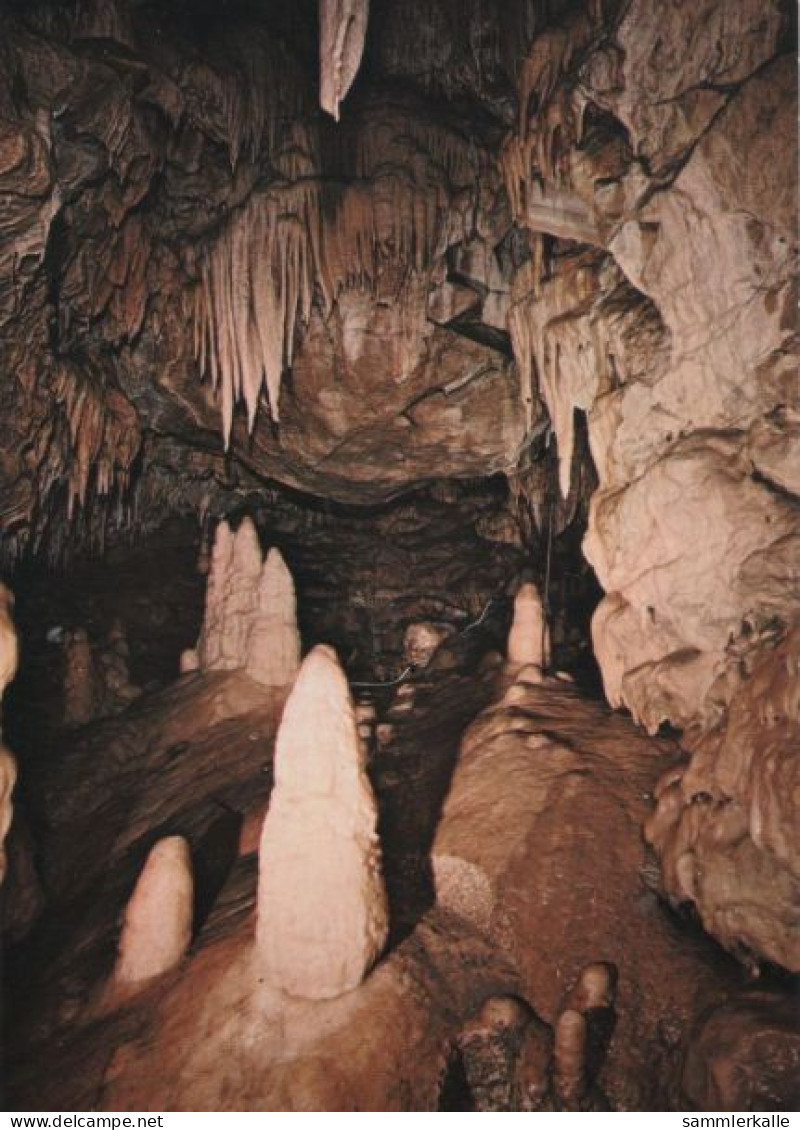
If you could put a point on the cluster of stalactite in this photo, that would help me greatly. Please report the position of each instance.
(537, 157)
(305, 238)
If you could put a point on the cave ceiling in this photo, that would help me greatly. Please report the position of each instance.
(201, 269)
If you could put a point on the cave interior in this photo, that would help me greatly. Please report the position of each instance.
(400, 555)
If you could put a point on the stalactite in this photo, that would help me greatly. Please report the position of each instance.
(553, 349)
(535, 160)
(342, 31)
(103, 437)
(258, 281)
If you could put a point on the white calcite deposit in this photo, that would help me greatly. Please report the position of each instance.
(529, 638)
(322, 913)
(250, 620)
(157, 927)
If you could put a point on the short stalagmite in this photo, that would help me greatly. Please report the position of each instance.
(157, 928)
(322, 915)
(529, 638)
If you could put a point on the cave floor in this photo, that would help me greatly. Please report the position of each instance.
(159, 769)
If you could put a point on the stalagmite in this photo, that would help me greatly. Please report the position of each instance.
(569, 1076)
(250, 619)
(529, 638)
(81, 682)
(342, 31)
(489, 1045)
(322, 914)
(9, 650)
(9, 657)
(157, 928)
(8, 778)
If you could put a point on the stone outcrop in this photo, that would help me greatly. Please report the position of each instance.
(250, 621)
(725, 825)
(322, 914)
(157, 927)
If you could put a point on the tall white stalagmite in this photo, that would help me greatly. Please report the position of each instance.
(250, 620)
(322, 913)
(342, 32)
(529, 638)
(157, 928)
(273, 644)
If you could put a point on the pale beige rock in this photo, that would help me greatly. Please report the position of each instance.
(529, 638)
(688, 378)
(366, 713)
(322, 913)
(189, 661)
(273, 643)
(9, 650)
(9, 658)
(725, 825)
(343, 28)
(673, 605)
(250, 620)
(157, 927)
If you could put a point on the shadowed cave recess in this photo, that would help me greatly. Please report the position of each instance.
(400, 553)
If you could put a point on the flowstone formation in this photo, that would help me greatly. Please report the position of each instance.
(322, 913)
(726, 824)
(675, 336)
(250, 621)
